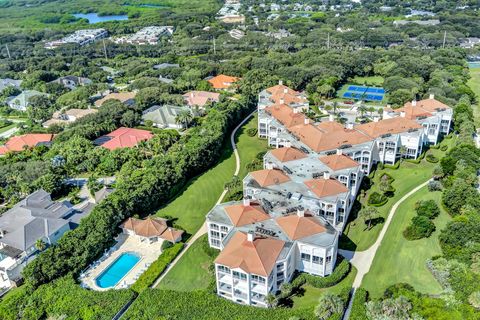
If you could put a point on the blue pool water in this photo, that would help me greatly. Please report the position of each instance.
(117, 270)
(95, 18)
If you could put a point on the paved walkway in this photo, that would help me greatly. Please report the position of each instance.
(203, 229)
(362, 260)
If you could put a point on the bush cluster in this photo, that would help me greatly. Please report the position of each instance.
(252, 132)
(377, 199)
(431, 158)
(359, 311)
(156, 268)
(427, 208)
(420, 227)
(341, 270)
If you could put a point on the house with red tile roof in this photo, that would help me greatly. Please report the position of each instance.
(151, 229)
(200, 98)
(123, 138)
(222, 82)
(26, 141)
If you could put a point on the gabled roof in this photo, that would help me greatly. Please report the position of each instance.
(339, 162)
(257, 257)
(428, 105)
(330, 126)
(200, 98)
(285, 115)
(287, 154)
(122, 96)
(19, 143)
(298, 227)
(325, 187)
(388, 126)
(241, 215)
(172, 234)
(222, 81)
(268, 177)
(283, 93)
(123, 138)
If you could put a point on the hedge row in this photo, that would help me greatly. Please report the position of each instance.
(376, 199)
(359, 311)
(341, 270)
(156, 268)
(394, 167)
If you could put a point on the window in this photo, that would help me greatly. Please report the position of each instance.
(213, 226)
(223, 269)
(305, 257)
(239, 275)
(215, 242)
(329, 259)
(258, 279)
(224, 229)
(215, 234)
(317, 260)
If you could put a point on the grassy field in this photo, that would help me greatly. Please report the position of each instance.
(191, 272)
(201, 194)
(309, 298)
(369, 81)
(407, 176)
(399, 260)
(474, 83)
(10, 126)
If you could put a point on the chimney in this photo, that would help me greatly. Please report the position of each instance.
(300, 212)
(402, 114)
(331, 118)
(296, 110)
(282, 101)
(339, 152)
(414, 103)
(250, 236)
(288, 144)
(350, 126)
(306, 121)
(432, 96)
(326, 175)
(269, 166)
(246, 202)
(280, 82)
(376, 119)
(285, 90)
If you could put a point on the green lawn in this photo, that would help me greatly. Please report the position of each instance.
(399, 260)
(407, 176)
(191, 271)
(369, 81)
(474, 83)
(310, 297)
(10, 126)
(200, 195)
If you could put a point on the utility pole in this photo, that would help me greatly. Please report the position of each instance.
(8, 51)
(328, 40)
(105, 49)
(444, 38)
(214, 46)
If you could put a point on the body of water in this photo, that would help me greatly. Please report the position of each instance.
(117, 270)
(95, 18)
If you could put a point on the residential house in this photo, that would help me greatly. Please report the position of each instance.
(222, 82)
(123, 138)
(68, 116)
(165, 116)
(7, 82)
(200, 98)
(21, 101)
(148, 35)
(79, 37)
(127, 98)
(165, 65)
(72, 82)
(152, 230)
(35, 218)
(26, 141)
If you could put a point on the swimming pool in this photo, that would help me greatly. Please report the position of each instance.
(117, 270)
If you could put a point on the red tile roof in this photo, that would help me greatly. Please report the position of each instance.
(339, 162)
(285, 115)
(200, 98)
(325, 187)
(283, 94)
(19, 143)
(287, 154)
(298, 227)
(222, 81)
(388, 126)
(125, 138)
(241, 215)
(268, 177)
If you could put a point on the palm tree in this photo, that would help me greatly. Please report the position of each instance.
(335, 105)
(329, 304)
(184, 118)
(40, 245)
(271, 300)
(362, 110)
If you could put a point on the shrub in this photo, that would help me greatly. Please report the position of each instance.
(434, 186)
(420, 227)
(444, 147)
(166, 245)
(427, 208)
(341, 270)
(260, 155)
(394, 167)
(211, 252)
(431, 158)
(156, 268)
(252, 132)
(359, 311)
(377, 199)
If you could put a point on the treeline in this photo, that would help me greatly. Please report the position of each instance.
(140, 188)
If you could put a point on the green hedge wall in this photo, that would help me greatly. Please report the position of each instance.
(341, 270)
(359, 311)
(156, 268)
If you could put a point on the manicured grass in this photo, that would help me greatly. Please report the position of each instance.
(474, 83)
(191, 271)
(399, 260)
(407, 176)
(369, 81)
(10, 126)
(310, 297)
(201, 193)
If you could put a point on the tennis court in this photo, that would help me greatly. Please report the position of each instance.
(365, 93)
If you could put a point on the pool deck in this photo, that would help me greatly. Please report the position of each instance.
(148, 253)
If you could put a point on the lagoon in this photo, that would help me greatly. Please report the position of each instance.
(95, 18)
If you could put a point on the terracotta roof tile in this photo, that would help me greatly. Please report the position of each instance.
(430, 105)
(298, 227)
(281, 93)
(150, 227)
(172, 235)
(388, 126)
(325, 187)
(287, 154)
(19, 143)
(222, 81)
(125, 138)
(200, 98)
(241, 215)
(268, 177)
(285, 115)
(257, 257)
(339, 162)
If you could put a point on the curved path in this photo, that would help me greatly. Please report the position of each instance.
(362, 260)
(203, 228)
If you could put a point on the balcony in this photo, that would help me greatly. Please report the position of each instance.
(225, 277)
(260, 288)
(240, 295)
(225, 287)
